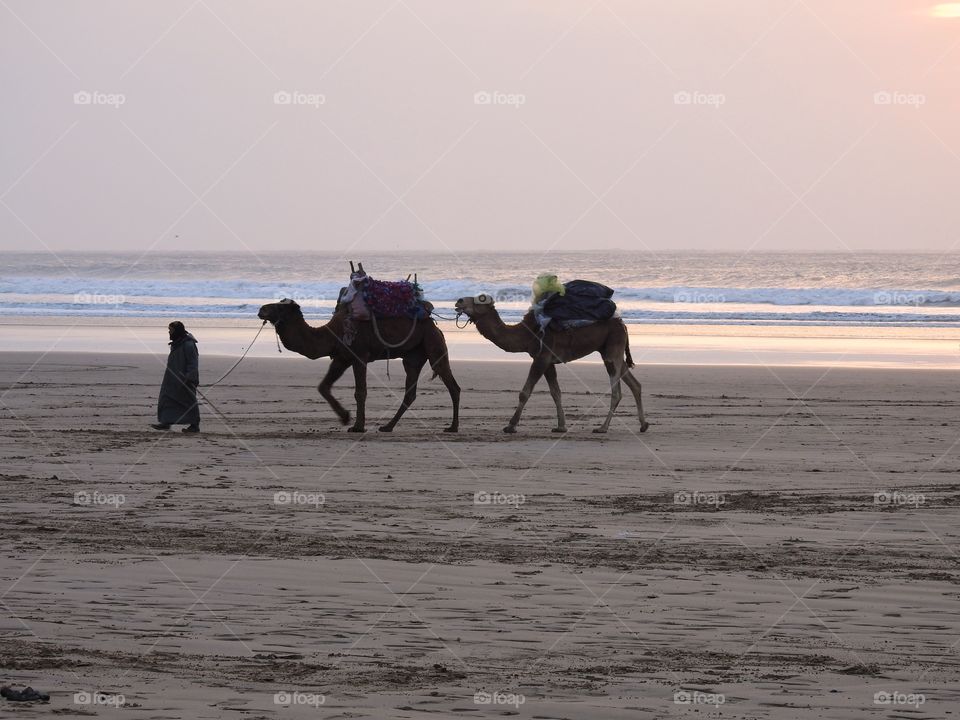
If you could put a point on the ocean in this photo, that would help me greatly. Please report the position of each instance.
(906, 290)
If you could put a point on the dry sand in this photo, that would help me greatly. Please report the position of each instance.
(596, 595)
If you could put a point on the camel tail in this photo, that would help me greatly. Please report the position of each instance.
(626, 349)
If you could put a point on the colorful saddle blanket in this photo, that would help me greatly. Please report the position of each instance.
(365, 296)
(392, 299)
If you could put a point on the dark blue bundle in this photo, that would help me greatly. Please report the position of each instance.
(582, 300)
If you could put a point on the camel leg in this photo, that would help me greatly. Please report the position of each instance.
(338, 366)
(440, 364)
(615, 371)
(634, 385)
(533, 377)
(413, 364)
(551, 375)
(360, 395)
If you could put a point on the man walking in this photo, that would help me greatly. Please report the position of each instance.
(178, 392)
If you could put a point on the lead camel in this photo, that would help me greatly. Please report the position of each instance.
(378, 340)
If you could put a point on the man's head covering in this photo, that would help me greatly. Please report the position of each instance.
(177, 330)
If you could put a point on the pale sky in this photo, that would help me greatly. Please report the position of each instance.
(765, 125)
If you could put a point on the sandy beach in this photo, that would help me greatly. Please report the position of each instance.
(782, 543)
(749, 202)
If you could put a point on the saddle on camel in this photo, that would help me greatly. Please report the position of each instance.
(373, 320)
(366, 299)
(573, 304)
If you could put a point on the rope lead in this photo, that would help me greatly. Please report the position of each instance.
(233, 367)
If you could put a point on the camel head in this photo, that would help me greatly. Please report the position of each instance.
(278, 312)
(474, 307)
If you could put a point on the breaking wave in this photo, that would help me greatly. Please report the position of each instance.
(449, 290)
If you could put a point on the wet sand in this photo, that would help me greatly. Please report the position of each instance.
(782, 543)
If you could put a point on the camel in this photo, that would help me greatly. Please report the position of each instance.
(609, 338)
(414, 341)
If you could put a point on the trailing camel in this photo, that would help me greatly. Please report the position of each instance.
(608, 337)
(416, 342)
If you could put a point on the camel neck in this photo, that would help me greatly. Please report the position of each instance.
(510, 338)
(312, 342)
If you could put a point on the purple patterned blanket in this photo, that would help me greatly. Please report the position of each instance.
(392, 299)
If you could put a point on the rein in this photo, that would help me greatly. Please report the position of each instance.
(234, 366)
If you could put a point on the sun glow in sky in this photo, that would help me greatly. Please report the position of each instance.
(946, 10)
